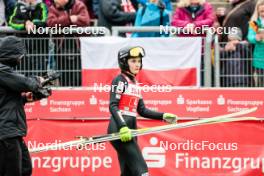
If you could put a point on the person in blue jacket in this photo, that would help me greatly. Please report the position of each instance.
(153, 13)
(256, 37)
(167, 4)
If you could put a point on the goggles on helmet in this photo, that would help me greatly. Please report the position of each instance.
(137, 52)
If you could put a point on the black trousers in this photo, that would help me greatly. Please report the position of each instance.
(130, 158)
(14, 158)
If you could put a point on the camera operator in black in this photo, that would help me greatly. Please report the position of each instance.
(15, 91)
(125, 102)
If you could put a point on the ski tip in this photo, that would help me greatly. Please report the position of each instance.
(253, 118)
(254, 109)
(245, 118)
(247, 111)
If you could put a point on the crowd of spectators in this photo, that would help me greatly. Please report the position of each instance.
(187, 14)
(27, 14)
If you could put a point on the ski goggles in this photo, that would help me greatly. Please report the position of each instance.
(136, 52)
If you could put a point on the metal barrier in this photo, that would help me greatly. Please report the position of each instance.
(233, 68)
(207, 68)
(206, 58)
(116, 30)
(48, 53)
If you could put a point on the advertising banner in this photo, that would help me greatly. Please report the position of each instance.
(186, 103)
(235, 148)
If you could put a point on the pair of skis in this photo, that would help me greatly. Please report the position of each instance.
(151, 130)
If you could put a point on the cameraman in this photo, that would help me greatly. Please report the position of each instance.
(15, 91)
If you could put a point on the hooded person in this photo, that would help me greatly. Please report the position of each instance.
(12, 51)
(125, 102)
(15, 91)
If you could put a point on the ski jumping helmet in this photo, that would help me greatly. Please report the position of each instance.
(129, 52)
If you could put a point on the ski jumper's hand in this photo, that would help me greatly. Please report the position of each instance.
(170, 118)
(125, 134)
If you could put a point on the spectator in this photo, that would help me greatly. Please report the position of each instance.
(192, 15)
(28, 14)
(236, 66)
(256, 36)
(2, 13)
(152, 13)
(9, 7)
(68, 12)
(167, 3)
(116, 13)
(239, 16)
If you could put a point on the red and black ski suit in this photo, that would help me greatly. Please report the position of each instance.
(125, 102)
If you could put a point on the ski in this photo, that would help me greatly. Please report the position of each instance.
(151, 130)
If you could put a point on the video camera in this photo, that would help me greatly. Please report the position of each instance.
(49, 78)
(45, 91)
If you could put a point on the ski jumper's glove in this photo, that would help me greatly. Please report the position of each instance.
(170, 118)
(125, 134)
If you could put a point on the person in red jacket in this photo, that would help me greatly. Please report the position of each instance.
(68, 12)
(193, 15)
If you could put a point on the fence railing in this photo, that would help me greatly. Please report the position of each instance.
(63, 53)
(49, 52)
(233, 66)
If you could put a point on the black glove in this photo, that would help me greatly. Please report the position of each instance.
(41, 93)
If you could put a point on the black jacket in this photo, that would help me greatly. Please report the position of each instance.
(112, 14)
(116, 122)
(37, 14)
(12, 84)
(239, 17)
